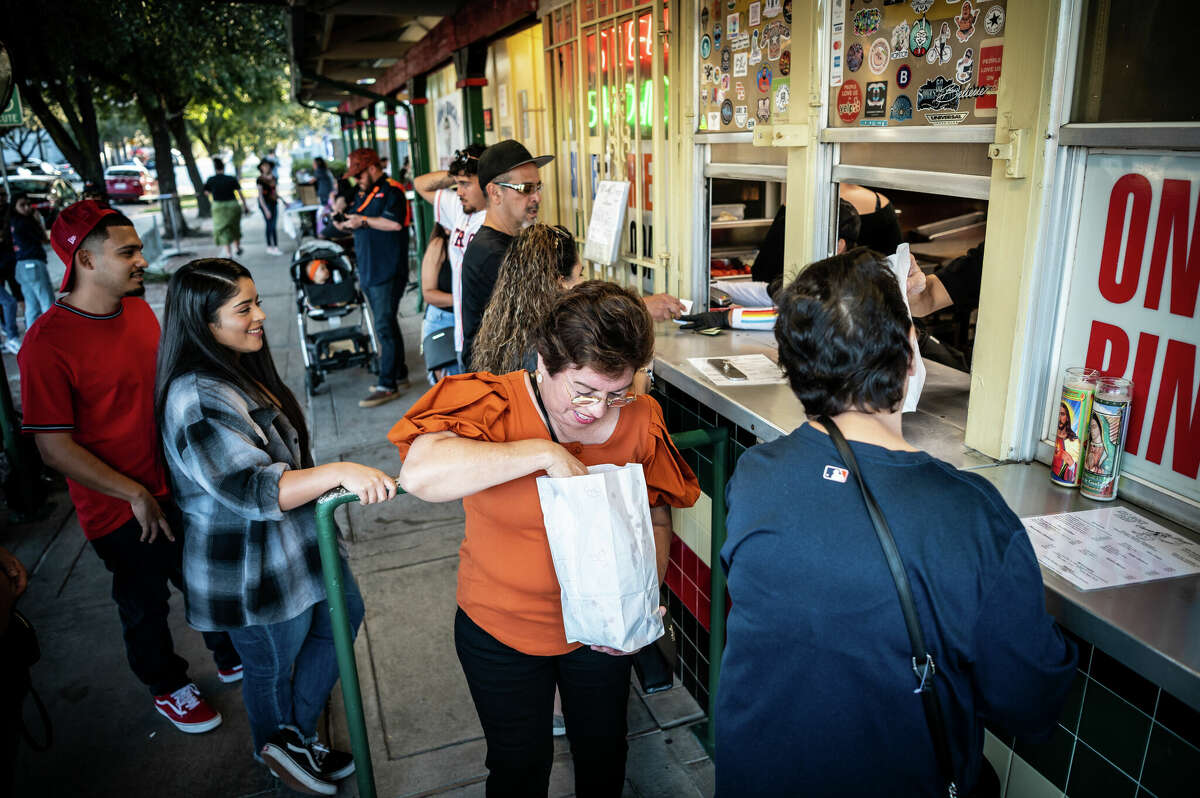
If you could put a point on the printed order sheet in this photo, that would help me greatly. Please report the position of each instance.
(1111, 547)
(756, 370)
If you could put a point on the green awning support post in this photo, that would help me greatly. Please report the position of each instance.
(393, 145)
(343, 636)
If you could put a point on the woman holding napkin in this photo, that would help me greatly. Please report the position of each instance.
(485, 438)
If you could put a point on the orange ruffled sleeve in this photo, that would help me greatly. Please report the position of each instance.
(669, 479)
(469, 405)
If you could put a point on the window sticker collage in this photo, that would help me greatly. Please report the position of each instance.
(745, 63)
(915, 62)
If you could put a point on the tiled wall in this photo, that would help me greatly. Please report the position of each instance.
(1119, 735)
(689, 575)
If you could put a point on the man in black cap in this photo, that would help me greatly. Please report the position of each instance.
(508, 175)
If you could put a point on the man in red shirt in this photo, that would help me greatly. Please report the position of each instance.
(87, 391)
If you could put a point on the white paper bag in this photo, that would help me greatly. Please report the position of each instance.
(602, 542)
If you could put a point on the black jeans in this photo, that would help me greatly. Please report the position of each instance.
(514, 696)
(384, 299)
(140, 575)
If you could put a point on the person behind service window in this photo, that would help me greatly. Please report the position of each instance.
(817, 661)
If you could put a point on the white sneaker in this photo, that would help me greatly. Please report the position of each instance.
(12, 346)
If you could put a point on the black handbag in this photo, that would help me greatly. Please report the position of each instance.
(654, 664)
(922, 661)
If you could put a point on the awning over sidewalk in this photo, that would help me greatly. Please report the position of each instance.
(344, 51)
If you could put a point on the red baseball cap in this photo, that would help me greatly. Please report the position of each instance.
(72, 226)
(360, 159)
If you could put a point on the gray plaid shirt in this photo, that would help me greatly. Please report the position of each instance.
(245, 561)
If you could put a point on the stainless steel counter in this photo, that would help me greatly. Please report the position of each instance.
(1153, 628)
(770, 411)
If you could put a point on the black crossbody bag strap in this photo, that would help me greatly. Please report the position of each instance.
(922, 660)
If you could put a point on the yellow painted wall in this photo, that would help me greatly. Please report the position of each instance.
(1014, 206)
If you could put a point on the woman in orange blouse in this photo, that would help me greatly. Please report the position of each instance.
(484, 438)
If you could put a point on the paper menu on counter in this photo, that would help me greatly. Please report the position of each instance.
(758, 369)
(1111, 547)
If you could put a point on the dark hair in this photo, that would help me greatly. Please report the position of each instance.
(194, 296)
(599, 325)
(267, 163)
(319, 162)
(843, 335)
(99, 233)
(218, 164)
(849, 224)
(466, 161)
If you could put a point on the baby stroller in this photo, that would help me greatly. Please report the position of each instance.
(327, 290)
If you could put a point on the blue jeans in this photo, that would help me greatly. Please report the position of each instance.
(290, 667)
(384, 299)
(8, 307)
(272, 236)
(34, 279)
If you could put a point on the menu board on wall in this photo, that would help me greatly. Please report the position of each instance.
(915, 62)
(745, 63)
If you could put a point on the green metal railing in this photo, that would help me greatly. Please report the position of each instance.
(343, 635)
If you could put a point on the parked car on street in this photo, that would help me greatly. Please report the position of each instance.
(47, 194)
(130, 181)
(34, 167)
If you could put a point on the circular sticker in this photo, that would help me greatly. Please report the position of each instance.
(726, 112)
(725, 56)
(717, 35)
(993, 20)
(849, 101)
(866, 21)
(921, 37)
(879, 56)
(901, 109)
(782, 97)
(854, 57)
(705, 46)
(785, 63)
(764, 80)
(903, 76)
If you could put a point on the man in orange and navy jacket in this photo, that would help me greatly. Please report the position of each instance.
(380, 217)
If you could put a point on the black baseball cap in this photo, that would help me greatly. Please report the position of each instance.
(503, 156)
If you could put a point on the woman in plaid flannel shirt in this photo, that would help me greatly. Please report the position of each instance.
(237, 449)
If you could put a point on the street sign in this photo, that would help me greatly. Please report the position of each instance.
(11, 115)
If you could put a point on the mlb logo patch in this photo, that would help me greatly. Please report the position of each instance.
(835, 474)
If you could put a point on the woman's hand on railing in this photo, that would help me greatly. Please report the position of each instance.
(370, 485)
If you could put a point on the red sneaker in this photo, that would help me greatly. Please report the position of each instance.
(230, 675)
(188, 710)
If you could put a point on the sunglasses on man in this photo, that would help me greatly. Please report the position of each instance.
(521, 188)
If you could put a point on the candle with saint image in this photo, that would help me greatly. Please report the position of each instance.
(1106, 427)
(1074, 409)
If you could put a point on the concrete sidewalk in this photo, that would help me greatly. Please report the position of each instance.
(425, 737)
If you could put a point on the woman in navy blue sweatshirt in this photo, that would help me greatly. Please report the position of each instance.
(817, 685)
